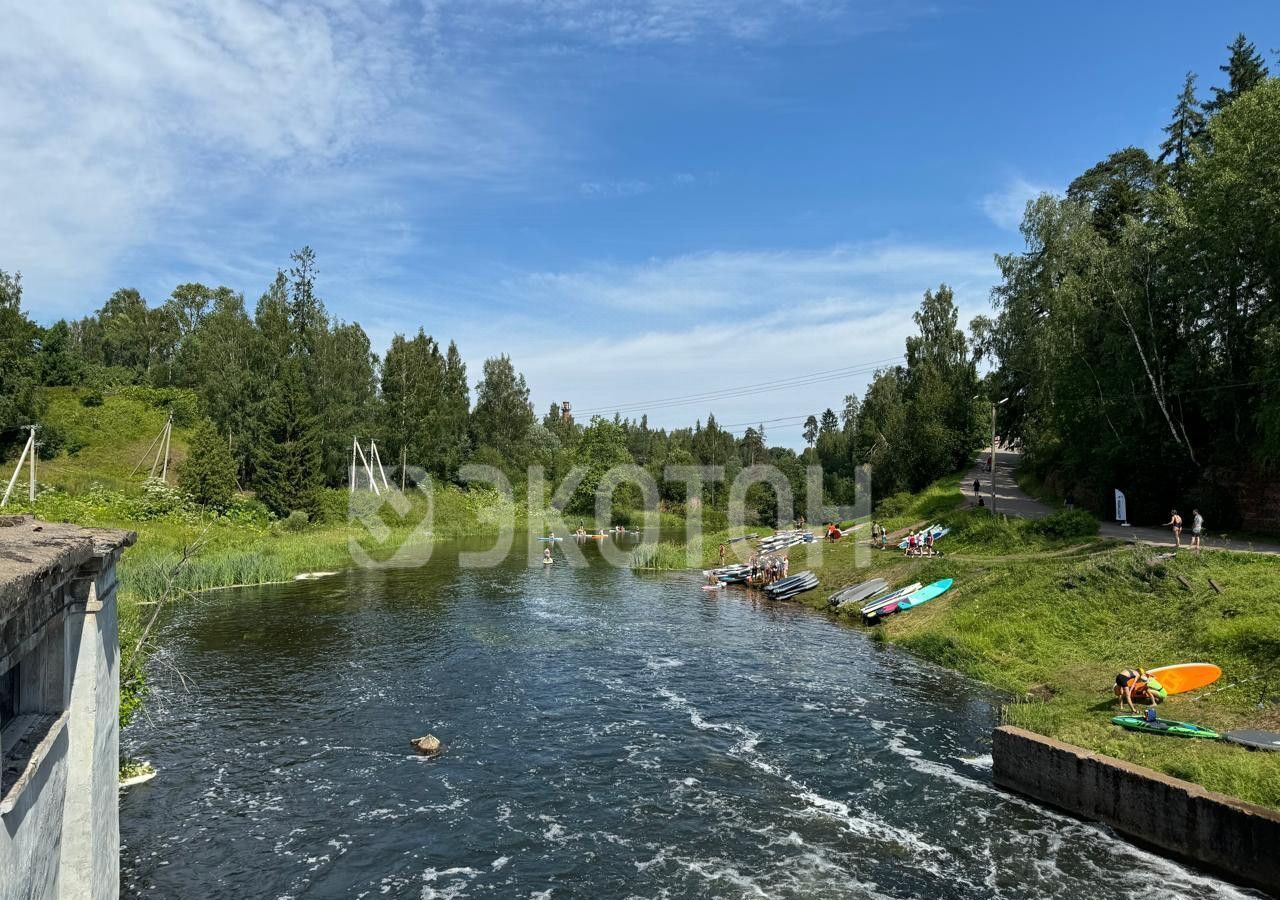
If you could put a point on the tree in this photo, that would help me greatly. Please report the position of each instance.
(19, 368)
(503, 414)
(828, 423)
(1245, 69)
(1186, 128)
(849, 414)
(287, 472)
(306, 313)
(602, 446)
(1117, 189)
(810, 430)
(208, 473)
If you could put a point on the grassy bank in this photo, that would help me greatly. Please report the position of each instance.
(1050, 618)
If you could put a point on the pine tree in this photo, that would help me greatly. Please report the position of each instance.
(829, 422)
(810, 430)
(503, 414)
(287, 459)
(208, 473)
(1245, 70)
(1186, 128)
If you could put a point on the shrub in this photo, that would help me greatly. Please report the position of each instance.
(208, 473)
(1067, 523)
(296, 521)
(159, 500)
(93, 398)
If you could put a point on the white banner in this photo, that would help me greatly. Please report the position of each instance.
(1122, 514)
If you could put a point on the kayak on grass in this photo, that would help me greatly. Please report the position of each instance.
(1166, 726)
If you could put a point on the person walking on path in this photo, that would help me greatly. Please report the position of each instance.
(1175, 521)
(977, 487)
(1197, 526)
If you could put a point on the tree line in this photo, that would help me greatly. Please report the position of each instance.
(1134, 344)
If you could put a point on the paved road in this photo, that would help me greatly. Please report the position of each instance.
(1013, 501)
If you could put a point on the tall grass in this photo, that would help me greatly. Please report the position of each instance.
(663, 555)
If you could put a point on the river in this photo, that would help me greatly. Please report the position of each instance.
(609, 735)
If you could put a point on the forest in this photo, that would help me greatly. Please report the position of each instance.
(1133, 343)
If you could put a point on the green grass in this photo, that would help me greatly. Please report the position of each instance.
(110, 440)
(1050, 620)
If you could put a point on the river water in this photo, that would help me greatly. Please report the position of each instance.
(609, 735)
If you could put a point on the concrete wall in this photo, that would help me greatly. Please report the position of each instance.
(1239, 840)
(59, 822)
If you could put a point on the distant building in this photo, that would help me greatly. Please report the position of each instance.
(59, 710)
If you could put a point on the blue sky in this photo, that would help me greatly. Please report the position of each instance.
(640, 200)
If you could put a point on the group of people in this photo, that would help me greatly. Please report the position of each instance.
(920, 544)
(769, 569)
(879, 535)
(1197, 528)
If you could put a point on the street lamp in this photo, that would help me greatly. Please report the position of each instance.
(992, 480)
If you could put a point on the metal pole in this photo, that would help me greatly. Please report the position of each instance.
(31, 489)
(992, 480)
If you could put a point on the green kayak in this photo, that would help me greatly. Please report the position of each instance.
(1166, 726)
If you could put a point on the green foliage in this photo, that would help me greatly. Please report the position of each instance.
(503, 415)
(297, 521)
(287, 472)
(1067, 523)
(208, 474)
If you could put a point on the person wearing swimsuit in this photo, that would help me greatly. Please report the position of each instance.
(1175, 521)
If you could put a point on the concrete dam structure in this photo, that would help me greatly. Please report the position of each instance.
(59, 710)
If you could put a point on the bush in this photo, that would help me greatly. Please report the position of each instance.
(180, 401)
(208, 473)
(296, 521)
(159, 500)
(93, 398)
(1067, 523)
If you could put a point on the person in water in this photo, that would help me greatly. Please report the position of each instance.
(546, 555)
(1197, 526)
(1139, 684)
(1175, 521)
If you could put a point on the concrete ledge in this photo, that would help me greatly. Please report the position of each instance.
(1240, 840)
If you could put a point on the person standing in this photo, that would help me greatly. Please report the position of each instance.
(977, 487)
(1175, 522)
(1197, 526)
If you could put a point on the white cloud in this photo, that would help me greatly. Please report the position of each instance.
(637, 22)
(126, 123)
(1006, 206)
(620, 335)
(631, 187)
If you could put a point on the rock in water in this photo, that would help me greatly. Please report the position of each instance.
(428, 745)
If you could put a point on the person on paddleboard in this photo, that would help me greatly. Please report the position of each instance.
(1139, 684)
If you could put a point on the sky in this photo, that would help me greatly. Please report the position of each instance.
(670, 207)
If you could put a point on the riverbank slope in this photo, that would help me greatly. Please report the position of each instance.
(1049, 617)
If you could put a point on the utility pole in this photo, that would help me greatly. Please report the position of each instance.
(402, 458)
(28, 450)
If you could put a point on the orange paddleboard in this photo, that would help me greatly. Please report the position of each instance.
(1186, 676)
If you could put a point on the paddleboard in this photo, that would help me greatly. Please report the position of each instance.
(890, 599)
(546, 562)
(1166, 726)
(549, 539)
(1255, 740)
(712, 587)
(1186, 676)
(858, 591)
(925, 594)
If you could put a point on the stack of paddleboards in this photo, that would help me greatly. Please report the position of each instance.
(857, 592)
(903, 599)
(938, 531)
(549, 539)
(785, 539)
(787, 588)
(735, 574)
